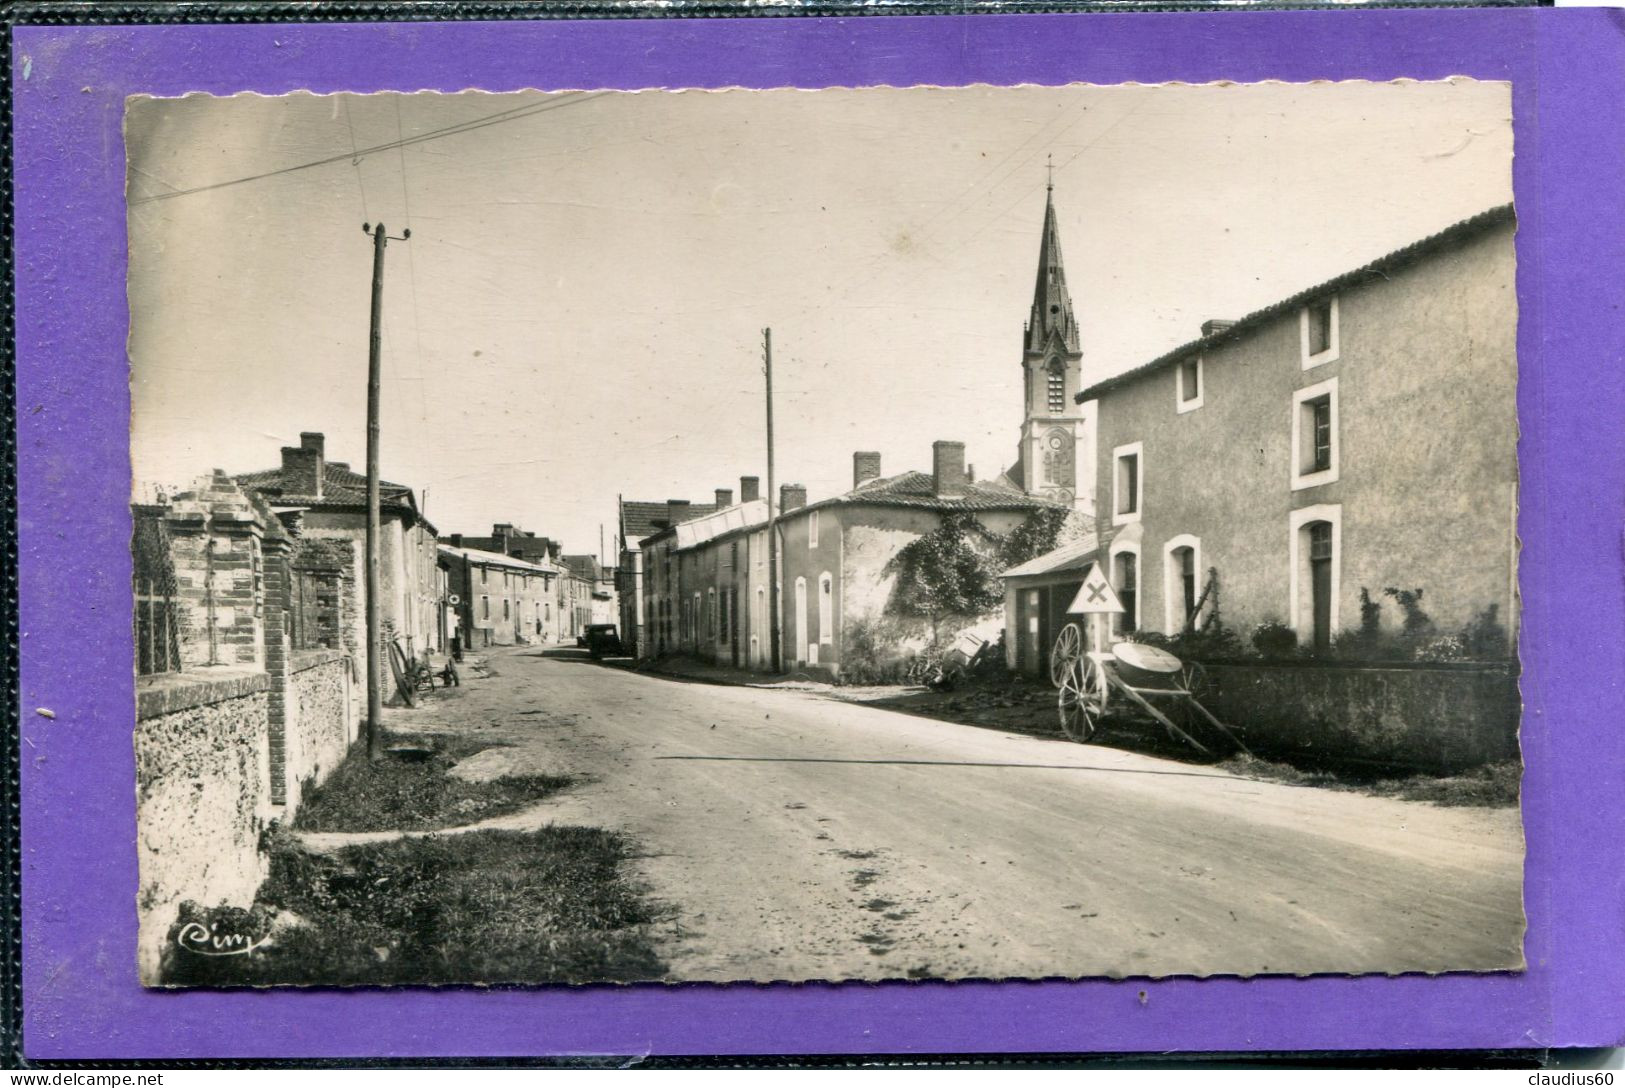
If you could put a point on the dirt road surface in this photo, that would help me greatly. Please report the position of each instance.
(796, 838)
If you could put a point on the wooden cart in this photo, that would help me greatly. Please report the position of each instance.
(1136, 674)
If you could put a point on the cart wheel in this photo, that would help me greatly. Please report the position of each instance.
(1082, 700)
(1194, 679)
(1068, 648)
(403, 677)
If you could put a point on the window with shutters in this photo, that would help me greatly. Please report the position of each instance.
(1314, 436)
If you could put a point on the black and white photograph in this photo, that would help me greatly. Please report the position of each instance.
(887, 533)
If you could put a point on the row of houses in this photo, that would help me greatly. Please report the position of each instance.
(702, 573)
(1351, 443)
(509, 587)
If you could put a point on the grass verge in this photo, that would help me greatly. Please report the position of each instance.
(1492, 786)
(476, 908)
(398, 795)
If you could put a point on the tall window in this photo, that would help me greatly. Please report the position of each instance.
(1127, 573)
(1188, 391)
(1128, 483)
(1185, 561)
(1320, 582)
(812, 529)
(1318, 323)
(1057, 387)
(826, 608)
(1314, 435)
(1320, 328)
(1320, 453)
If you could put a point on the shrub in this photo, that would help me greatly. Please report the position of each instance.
(1417, 623)
(876, 651)
(1485, 638)
(1274, 639)
(1443, 648)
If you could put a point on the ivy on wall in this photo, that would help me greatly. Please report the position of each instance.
(952, 572)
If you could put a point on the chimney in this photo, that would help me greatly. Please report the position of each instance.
(791, 497)
(948, 467)
(313, 442)
(676, 510)
(1215, 325)
(302, 467)
(725, 497)
(456, 540)
(970, 474)
(750, 489)
(865, 466)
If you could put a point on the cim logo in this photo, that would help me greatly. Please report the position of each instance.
(215, 939)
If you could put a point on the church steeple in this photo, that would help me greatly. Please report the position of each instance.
(1057, 430)
(1052, 307)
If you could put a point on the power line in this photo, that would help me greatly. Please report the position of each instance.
(515, 114)
(412, 276)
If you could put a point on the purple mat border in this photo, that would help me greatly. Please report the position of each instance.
(81, 997)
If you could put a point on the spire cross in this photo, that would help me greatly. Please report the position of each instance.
(1049, 164)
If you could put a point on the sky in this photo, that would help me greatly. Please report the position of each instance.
(578, 314)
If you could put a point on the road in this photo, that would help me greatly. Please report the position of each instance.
(800, 838)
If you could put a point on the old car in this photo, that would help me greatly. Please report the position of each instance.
(602, 639)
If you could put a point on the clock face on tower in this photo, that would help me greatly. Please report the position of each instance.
(1059, 461)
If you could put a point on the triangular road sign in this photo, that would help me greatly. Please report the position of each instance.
(1096, 594)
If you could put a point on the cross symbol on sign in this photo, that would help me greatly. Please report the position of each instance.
(1095, 595)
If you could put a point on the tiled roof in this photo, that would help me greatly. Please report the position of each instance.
(582, 566)
(1377, 269)
(1076, 556)
(642, 520)
(918, 489)
(525, 545)
(339, 485)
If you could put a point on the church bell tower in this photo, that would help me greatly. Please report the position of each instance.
(1057, 441)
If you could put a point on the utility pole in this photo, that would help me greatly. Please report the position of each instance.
(375, 694)
(772, 510)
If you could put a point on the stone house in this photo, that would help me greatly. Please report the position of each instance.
(838, 567)
(590, 594)
(713, 578)
(318, 499)
(655, 572)
(1358, 435)
(498, 600)
(246, 693)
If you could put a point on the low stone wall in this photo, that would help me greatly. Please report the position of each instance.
(321, 718)
(202, 780)
(1427, 717)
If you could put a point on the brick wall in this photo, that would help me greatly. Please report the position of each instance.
(215, 534)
